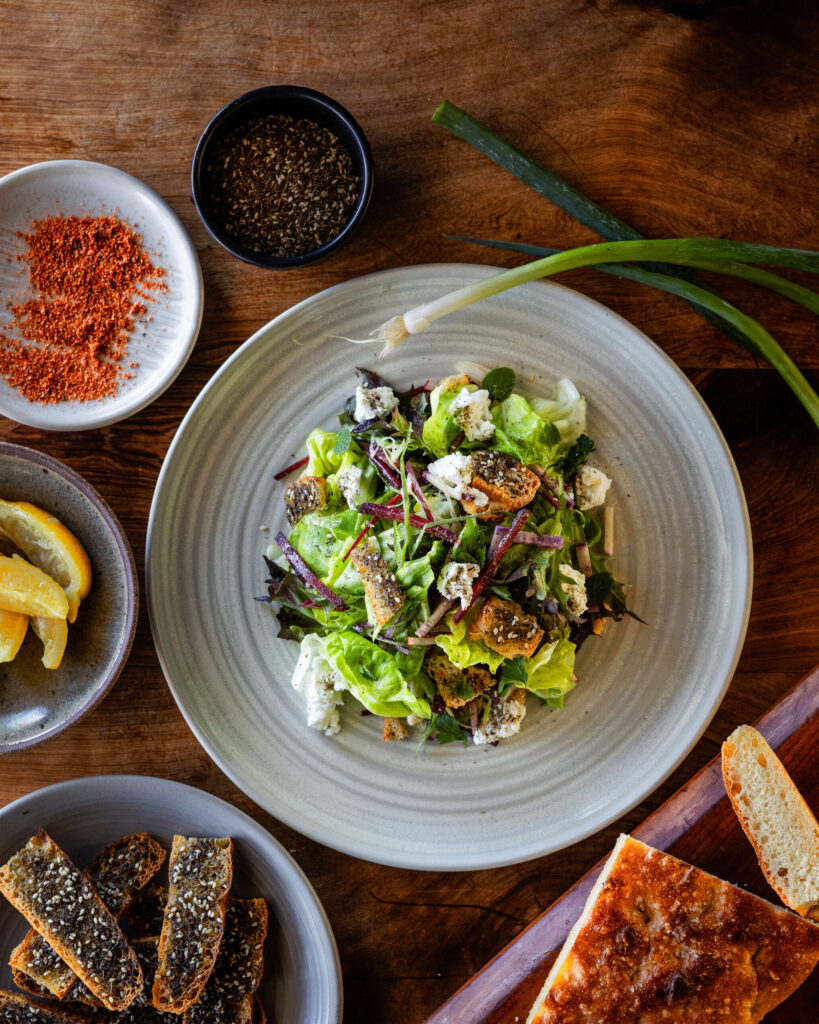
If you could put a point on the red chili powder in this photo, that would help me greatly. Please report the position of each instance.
(90, 278)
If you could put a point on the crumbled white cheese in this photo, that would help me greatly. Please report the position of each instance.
(451, 474)
(505, 718)
(576, 597)
(321, 685)
(373, 403)
(455, 581)
(470, 410)
(590, 487)
(349, 483)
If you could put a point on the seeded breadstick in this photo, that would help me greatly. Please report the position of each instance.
(117, 874)
(17, 1009)
(228, 996)
(64, 907)
(141, 1010)
(199, 875)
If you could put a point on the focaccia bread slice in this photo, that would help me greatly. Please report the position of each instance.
(44, 885)
(660, 940)
(200, 872)
(228, 996)
(19, 1009)
(781, 827)
(117, 873)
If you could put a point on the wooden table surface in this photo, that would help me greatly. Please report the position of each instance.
(700, 127)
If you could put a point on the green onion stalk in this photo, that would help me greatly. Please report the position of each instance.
(705, 253)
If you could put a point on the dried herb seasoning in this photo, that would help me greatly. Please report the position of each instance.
(282, 186)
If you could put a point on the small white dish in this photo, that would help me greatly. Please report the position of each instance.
(160, 345)
(302, 977)
(646, 692)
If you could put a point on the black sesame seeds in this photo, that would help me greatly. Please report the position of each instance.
(282, 186)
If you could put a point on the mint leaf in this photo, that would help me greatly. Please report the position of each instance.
(343, 441)
(499, 383)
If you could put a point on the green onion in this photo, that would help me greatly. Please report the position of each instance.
(682, 250)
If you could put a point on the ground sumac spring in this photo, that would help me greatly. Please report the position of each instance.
(89, 279)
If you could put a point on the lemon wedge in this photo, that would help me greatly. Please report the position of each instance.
(54, 635)
(27, 590)
(13, 627)
(51, 546)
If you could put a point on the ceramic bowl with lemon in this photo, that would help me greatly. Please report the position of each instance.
(68, 597)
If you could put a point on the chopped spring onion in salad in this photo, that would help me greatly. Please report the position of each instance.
(444, 559)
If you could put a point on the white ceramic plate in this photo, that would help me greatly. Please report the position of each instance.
(646, 692)
(302, 979)
(160, 346)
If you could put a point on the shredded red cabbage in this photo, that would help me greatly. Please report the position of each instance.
(545, 540)
(492, 563)
(369, 508)
(291, 469)
(419, 493)
(306, 574)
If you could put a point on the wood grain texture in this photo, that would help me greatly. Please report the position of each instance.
(681, 127)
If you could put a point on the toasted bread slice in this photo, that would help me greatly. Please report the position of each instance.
(781, 827)
(307, 494)
(18, 1009)
(65, 908)
(447, 677)
(200, 872)
(394, 729)
(660, 940)
(228, 995)
(380, 585)
(117, 873)
(507, 483)
(506, 628)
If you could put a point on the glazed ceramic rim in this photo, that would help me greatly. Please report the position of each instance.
(267, 800)
(132, 584)
(275, 853)
(316, 100)
(104, 412)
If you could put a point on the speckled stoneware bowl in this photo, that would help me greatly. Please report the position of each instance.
(302, 978)
(37, 703)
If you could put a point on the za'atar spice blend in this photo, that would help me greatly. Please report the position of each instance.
(281, 186)
(89, 280)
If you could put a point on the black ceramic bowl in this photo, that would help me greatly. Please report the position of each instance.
(293, 101)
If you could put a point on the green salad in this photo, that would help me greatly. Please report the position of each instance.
(447, 556)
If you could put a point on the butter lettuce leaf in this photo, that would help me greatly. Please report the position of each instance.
(566, 409)
(520, 432)
(464, 652)
(374, 676)
(550, 671)
(440, 430)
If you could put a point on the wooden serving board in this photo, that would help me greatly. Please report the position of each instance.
(696, 824)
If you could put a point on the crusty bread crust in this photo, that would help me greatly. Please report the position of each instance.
(661, 940)
(19, 1009)
(117, 873)
(65, 908)
(200, 873)
(779, 824)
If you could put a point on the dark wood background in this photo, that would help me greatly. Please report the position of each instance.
(704, 127)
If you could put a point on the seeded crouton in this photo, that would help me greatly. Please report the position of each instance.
(453, 381)
(504, 719)
(447, 677)
(307, 494)
(394, 729)
(506, 628)
(507, 483)
(380, 585)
